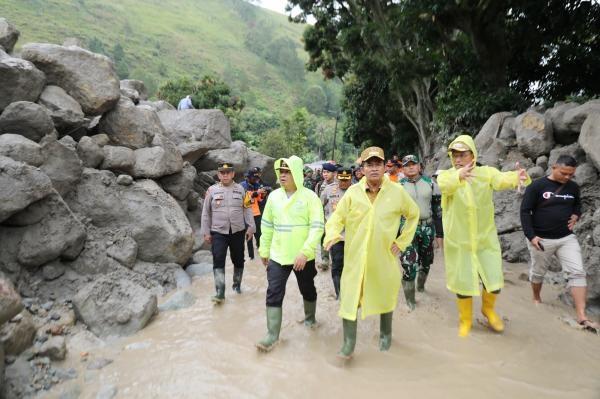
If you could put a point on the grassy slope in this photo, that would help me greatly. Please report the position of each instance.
(164, 39)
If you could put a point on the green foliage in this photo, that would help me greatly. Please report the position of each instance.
(291, 137)
(315, 100)
(168, 39)
(209, 92)
(250, 124)
(118, 56)
(406, 62)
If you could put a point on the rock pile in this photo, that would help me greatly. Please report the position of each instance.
(100, 197)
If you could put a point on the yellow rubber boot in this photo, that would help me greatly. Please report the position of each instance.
(465, 315)
(487, 308)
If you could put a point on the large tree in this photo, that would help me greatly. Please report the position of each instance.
(471, 56)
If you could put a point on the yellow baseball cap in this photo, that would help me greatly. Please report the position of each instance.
(372, 152)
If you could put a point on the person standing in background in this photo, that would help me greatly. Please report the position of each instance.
(550, 209)
(330, 198)
(225, 223)
(418, 257)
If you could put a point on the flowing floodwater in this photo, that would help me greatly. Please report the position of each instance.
(207, 351)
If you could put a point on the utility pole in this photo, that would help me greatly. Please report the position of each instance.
(337, 116)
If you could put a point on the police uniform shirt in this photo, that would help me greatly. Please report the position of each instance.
(332, 194)
(224, 211)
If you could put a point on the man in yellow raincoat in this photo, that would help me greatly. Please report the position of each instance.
(370, 213)
(471, 247)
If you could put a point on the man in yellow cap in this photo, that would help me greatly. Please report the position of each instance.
(370, 213)
(292, 227)
(471, 247)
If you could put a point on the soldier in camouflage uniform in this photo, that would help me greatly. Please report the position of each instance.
(418, 257)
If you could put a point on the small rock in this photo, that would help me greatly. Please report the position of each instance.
(66, 374)
(107, 392)
(99, 363)
(55, 348)
(125, 180)
(199, 269)
(179, 300)
(54, 316)
(138, 345)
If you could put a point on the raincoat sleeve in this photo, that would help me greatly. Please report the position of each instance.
(316, 226)
(266, 228)
(206, 219)
(337, 221)
(411, 213)
(449, 181)
(505, 180)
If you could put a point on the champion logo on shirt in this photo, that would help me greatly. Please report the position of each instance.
(550, 194)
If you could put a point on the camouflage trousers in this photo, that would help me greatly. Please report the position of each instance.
(418, 256)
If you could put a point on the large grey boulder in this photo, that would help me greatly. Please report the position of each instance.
(492, 149)
(265, 163)
(236, 154)
(61, 164)
(58, 234)
(118, 158)
(114, 306)
(563, 134)
(159, 105)
(589, 138)
(89, 152)
(149, 215)
(534, 134)
(160, 160)
(27, 119)
(27, 184)
(10, 301)
(88, 77)
(130, 126)
(585, 174)
(21, 149)
(8, 35)
(514, 247)
(574, 117)
(573, 150)
(66, 113)
(180, 184)
(136, 85)
(20, 80)
(196, 131)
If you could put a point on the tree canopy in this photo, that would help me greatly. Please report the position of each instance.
(415, 68)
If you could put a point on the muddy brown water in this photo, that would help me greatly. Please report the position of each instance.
(208, 351)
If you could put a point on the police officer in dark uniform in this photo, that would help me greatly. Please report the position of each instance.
(226, 221)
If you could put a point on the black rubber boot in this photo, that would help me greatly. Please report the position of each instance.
(219, 275)
(238, 272)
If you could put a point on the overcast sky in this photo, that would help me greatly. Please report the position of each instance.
(275, 5)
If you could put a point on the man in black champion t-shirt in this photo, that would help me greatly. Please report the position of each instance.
(551, 206)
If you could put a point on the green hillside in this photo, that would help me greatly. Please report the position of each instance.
(255, 51)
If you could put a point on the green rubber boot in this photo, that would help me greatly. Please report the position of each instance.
(421, 279)
(310, 309)
(219, 275)
(347, 350)
(385, 331)
(409, 293)
(238, 272)
(274, 316)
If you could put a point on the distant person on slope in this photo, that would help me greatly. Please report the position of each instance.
(185, 103)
